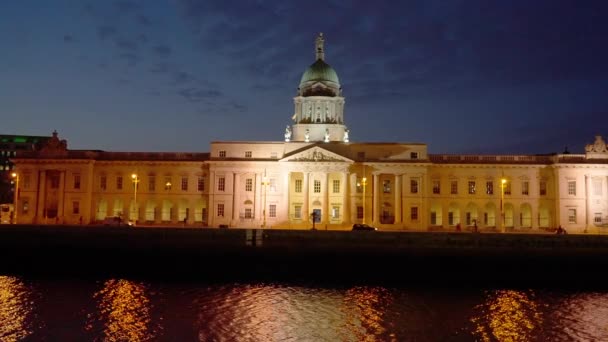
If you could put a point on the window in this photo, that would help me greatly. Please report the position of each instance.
(248, 213)
(152, 183)
(413, 155)
(451, 218)
(454, 187)
(168, 183)
(118, 182)
(572, 215)
(184, 183)
(221, 184)
(220, 209)
(414, 213)
(103, 182)
(359, 212)
(597, 187)
(272, 210)
(201, 183)
(414, 186)
(336, 186)
(26, 206)
(76, 181)
(75, 207)
(222, 154)
(297, 212)
(543, 188)
(298, 185)
(335, 212)
(433, 218)
(468, 219)
(489, 187)
(247, 154)
(54, 181)
(471, 187)
(597, 218)
(525, 188)
(507, 188)
(386, 186)
(572, 188)
(248, 184)
(273, 184)
(317, 186)
(436, 186)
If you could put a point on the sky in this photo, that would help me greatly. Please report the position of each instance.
(462, 76)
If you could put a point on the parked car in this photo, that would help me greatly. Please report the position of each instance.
(359, 226)
(117, 221)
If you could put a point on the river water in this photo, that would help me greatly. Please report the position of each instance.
(113, 309)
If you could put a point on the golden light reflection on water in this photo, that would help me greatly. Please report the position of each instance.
(123, 311)
(364, 308)
(16, 307)
(507, 315)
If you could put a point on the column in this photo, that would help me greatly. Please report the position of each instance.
(345, 201)
(286, 191)
(305, 211)
(325, 211)
(587, 202)
(41, 199)
(375, 198)
(61, 198)
(398, 209)
(235, 204)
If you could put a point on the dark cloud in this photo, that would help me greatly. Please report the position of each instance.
(159, 68)
(125, 44)
(68, 38)
(163, 51)
(105, 31)
(130, 58)
(182, 77)
(126, 6)
(142, 38)
(198, 95)
(144, 20)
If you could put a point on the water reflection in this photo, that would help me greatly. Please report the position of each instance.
(16, 306)
(123, 312)
(364, 309)
(508, 315)
(580, 317)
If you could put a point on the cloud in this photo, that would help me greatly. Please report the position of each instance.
(198, 95)
(131, 58)
(126, 6)
(125, 44)
(159, 68)
(163, 51)
(68, 38)
(105, 31)
(144, 20)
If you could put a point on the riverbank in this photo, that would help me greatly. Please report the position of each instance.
(414, 257)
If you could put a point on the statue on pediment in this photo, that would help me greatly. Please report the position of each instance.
(599, 146)
(287, 134)
(54, 146)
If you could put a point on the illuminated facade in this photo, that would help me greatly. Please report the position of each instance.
(317, 173)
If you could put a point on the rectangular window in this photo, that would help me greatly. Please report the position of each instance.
(572, 215)
(220, 209)
(433, 218)
(273, 185)
(386, 186)
(597, 187)
(413, 186)
(201, 183)
(414, 213)
(336, 186)
(454, 187)
(543, 188)
(75, 207)
(26, 206)
(467, 217)
(317, 186)
(507, 188)
(335, 212)
(118, 182)
(54, 181)
(76, 181)
(359, 212)
(248, 184)
(525, 188)
(168, 183)
(489, 187)
(221, 184)
(247, 154)
(272, 210)
(222, 154)
(359, 185)
(572, 188)
(451, 218)
(597, 218)
(413, 155)
(248, 213)
(297, 212)
(151, 183)
(103, 182)
(298, 188)
(471, 187)
(436, 186)
(184, 183)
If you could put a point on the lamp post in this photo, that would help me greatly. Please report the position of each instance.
(135, 213)
(503, 182)
(264, 185)
(15, 175)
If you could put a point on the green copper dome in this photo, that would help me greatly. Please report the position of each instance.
(320, 71)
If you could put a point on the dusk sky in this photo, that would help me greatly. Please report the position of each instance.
(461, 76)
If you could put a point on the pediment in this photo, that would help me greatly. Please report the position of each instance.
(316, 154)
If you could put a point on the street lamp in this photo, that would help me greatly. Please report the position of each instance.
(135, 211)
(15, 175)
(264, 184)
(503, 183)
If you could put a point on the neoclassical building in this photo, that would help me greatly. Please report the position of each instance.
(316, 173)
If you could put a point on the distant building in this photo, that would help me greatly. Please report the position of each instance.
(10, 147)
(317, 173)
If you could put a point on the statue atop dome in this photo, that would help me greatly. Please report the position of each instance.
(319, 45)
